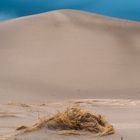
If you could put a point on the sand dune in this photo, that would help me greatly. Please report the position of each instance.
(69, 55)
(65, 55)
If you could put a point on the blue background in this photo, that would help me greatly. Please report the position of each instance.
(127, 9)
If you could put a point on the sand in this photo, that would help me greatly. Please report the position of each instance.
(70, 55)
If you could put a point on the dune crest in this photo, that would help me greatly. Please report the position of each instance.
(69, 54)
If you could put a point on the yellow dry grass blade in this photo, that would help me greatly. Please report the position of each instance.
(73, 120)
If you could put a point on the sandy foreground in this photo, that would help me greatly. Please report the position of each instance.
(51, 60)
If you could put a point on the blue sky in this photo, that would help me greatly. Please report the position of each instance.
(128, 9)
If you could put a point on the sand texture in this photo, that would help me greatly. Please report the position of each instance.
(70, 55)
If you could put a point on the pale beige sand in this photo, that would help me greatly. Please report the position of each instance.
(67, 54)
(123, 114)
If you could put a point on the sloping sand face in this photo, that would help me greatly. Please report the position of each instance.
(69, 55)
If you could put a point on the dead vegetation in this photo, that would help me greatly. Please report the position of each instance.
(72, 121)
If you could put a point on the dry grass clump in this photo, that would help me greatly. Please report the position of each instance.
(72, 121)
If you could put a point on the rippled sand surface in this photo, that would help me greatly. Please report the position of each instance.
(124, 115)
